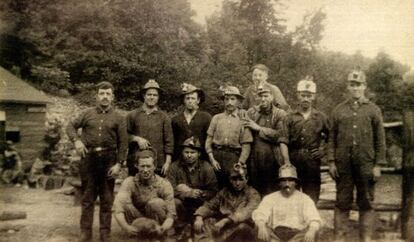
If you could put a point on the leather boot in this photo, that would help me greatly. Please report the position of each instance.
(341, 224)
(366, 225)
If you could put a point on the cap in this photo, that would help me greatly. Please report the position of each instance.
(287, 171)
(263, 89)
(357, 76)
(188, 88)
(307, 85)
(232, 90)
(239, 170)
(261, 67)
(192, 143)
(148, 153)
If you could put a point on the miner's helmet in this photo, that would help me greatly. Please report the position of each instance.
(189, 88)
(306, 85)
(151, 84)
(288, 171)
(239, 170)
(231, 91)
(192, 143)
(147, 153)
(357, 76)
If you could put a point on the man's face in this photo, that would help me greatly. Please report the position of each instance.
(238, 182)
(191, 101)
(306, 99)
(146, 168)
(356, 89)
(231, 103)
(287, 186)
(104, 97)
(190, 155)
(266, 100)
(259, 76)
(151, 97)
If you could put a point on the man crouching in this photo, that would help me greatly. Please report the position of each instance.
(288, 214)
(144, 205)
(226, 217)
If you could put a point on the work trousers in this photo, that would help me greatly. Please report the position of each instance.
(226, 157)
(309, 172)
(241, 232)
(95, 182)
(283, 234)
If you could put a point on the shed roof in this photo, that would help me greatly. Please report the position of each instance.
(14, 89)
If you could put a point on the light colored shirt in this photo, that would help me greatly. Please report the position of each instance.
(227, 130)
(296, 211)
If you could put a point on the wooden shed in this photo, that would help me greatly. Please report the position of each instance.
(23, 114)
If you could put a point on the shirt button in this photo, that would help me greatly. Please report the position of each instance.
(304, 130)
(354, 142)
(354, 126)
(355, 114)
(302, 138)
(100, 128)
(99, 134)
(101, 120)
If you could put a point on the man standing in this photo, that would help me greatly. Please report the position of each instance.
(193, 180)
(148, 126)
(103, 147)
(269, 148)
(307, 130)
(356, 145)
(288, 214)
(228, 141)
(191, 121)
(226, 217)
(145, 195)
(259, 76)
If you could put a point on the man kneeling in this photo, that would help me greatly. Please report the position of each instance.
(226, 217)
(144, 205)
(288, 214)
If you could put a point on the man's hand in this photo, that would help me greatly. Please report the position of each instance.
(215, 164)
(168, 223)
(251, 124)
(131, 230)
(220, 224)
(309, 236)
(114, 170)
(376, 171)
(80, 148)
(142, 142)
(196, 193)
(198, 224)
(333, 171)
(165, 168)
(263, 233)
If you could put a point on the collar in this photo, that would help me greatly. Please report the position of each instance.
(314, 112)
(99, 109)
(362, 100)
(233, 114)
(262, 84)
(139, 183)
(145, 109)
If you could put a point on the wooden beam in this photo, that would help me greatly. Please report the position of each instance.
(382, 207)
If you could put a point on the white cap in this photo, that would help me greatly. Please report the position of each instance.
(306, 85)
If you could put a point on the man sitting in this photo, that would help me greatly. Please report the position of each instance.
(146, 195)
(226, 217)
(288, 214)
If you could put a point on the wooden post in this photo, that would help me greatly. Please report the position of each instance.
(407, 212)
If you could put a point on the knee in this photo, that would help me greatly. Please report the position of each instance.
(156, 204)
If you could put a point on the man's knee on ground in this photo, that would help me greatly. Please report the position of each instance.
(156, 208)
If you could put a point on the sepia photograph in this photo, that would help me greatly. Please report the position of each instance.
(207, 120)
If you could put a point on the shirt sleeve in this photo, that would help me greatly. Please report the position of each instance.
(122, 139)
(244, 213)
(210, 132)
(310, 212)
(278, 133)
(246, 136)
(211, 207)
(168, 136)
(263, 211)
(332, 135)
(123, 198)
(167, 194)
(74, 125)
(379, 136)
(130, 122)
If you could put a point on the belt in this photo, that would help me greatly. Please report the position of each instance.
(224, 147)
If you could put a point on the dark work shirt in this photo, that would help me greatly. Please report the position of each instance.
(202, 177)
(307, 133)
(101, 129)
(251, 98)
(156, 128)
(358, 128)
(182, 130)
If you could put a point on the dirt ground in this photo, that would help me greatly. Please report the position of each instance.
(51, 215)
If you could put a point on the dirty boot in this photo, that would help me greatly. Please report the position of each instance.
(366, 225)
(341, 224)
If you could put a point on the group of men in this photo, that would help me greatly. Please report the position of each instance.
(207, 174)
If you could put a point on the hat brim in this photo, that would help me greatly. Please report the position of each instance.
(192, 147)
(200, 92)
(240, 97)
(143, 91)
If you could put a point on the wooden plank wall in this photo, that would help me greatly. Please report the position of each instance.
(32, 128)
